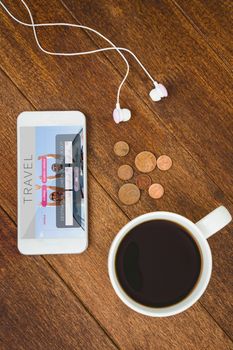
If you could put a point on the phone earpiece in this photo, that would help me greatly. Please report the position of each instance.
(158, 92)
(121, 114)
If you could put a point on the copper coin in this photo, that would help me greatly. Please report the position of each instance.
(125, 172)
(156, 191)
(129, 194)
(145, 162)
(143, 181)
(164, 162)
(121, 148)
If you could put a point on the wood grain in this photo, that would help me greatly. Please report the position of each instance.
(61, 83)
(219, 301)
(37, 310)
(197, 112)
(87, 274)
(190, 330)
(213, 20)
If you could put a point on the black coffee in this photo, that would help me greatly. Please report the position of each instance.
(158, 263)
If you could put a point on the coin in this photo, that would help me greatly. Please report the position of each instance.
(129, 194)
(143, 181)
(164, 162)
(125, 172)
(145, 162)
(156, 191)
(121, 148)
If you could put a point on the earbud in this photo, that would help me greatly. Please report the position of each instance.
(158, 92)
(121, 114)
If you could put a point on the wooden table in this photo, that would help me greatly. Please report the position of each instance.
(67, 302)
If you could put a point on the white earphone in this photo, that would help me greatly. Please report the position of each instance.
(158, 92)
(119, 114)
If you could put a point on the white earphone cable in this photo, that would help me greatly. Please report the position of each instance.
(118, 49)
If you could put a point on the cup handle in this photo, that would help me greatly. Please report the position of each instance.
(214, 221)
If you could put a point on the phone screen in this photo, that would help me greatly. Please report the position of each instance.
(52, 181)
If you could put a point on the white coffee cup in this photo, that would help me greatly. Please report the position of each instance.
(200, 231)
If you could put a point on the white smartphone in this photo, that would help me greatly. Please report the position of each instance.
(52, 183)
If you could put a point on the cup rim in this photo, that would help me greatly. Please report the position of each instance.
(201, 284)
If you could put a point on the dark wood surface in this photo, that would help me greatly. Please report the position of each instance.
(67, 302)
